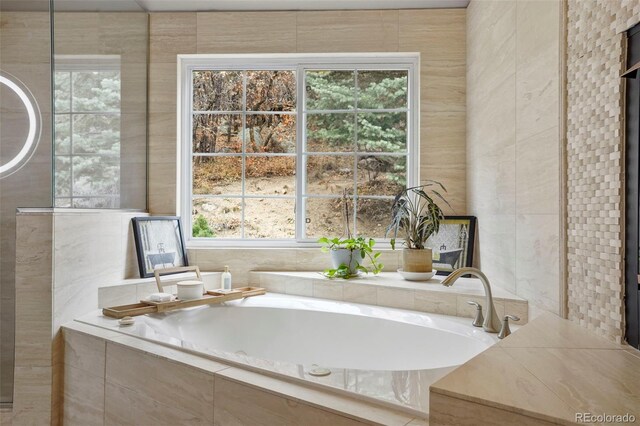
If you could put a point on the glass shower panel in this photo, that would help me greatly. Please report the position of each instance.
(100, 105)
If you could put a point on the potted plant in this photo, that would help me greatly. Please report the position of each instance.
(348, 254)
(417, 216)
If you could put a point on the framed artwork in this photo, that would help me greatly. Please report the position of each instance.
(453, 245)
(159, 243)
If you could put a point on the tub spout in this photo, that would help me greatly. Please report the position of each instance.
(491, 322)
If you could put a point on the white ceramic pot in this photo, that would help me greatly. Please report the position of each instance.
(347, 257)
(190, 289)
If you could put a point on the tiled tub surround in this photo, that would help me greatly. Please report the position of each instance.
(543, 373)
(400, 390)
(391, 290)
(135, 289)
(111, 378)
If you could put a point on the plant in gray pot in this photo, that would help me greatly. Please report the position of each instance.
(348, 254)
(416, 216)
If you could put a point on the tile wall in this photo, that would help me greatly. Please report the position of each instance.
(514, 139)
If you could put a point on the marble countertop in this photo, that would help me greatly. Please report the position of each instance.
(550, 369)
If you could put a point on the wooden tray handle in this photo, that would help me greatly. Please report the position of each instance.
(178, 269)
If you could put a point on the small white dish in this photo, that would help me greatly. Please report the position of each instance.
(190, 289)
(417, 276)
(127, 320)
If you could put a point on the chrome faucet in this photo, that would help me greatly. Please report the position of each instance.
(491, 322)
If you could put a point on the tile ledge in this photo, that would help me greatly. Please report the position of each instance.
(471, 286)
(175, 277)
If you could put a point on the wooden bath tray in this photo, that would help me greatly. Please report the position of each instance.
(149, 307)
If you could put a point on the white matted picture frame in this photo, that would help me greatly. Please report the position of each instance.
(159, 243)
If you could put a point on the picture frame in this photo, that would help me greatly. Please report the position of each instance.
(159, 243)
(454, 245)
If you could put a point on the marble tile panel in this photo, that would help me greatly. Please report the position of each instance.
(348, 31)
(32, 395)
(171, 34)
(513, 387)
(83, 397)
(163, 141)
(537, 260)
(70, 302)
(602, 381)
(26, 37)
(495, 240)
(418, 422)
(328, 289)
(166, 382)
(118, 295)
(266, 408)
(439, 34)
(538, 38)
(360, 293)
(298, 287)
(124, 34)
(443, 87)
(81, 254)
(163, 82)
(538, 173)
(537, 97)
(139, 406)
(84, 352)
(162, 188)
(246, 32)
(438, 303)
(356, 409)
(144, 290)
(312, 260)
(453, 178)
(272, 283)
(550, 331)
(395, 298)
(75, 33)
(445, 410)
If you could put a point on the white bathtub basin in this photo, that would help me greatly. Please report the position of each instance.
(380, 354)
(329, 334)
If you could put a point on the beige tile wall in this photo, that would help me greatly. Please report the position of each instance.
(437, 34)
(595, 146)
(57, 280)
(24, 53)
(513, 143)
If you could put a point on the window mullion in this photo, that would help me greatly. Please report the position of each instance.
(355, 152)
(301, 135)
(244, 151)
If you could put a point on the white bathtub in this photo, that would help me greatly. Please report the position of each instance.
(387, 354)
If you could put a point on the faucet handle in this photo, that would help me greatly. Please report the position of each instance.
(505, 330)
(479, 319)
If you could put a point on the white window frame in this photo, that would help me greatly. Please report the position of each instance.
(299, 63)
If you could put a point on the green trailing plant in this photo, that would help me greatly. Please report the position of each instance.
(359, 245)
(416, 215)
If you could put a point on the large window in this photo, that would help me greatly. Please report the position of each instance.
(272, 144)
(87, 131)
